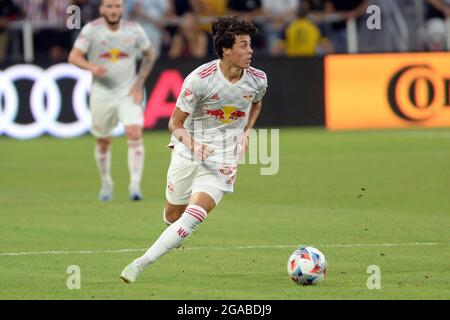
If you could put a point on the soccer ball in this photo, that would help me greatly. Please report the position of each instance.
(307, 266)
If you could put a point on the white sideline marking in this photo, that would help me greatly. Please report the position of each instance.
(349, 245)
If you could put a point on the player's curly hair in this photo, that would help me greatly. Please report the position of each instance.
(225, 30)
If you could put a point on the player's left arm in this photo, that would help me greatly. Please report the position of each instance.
(148, 61)
(255, 109)
(253, 115)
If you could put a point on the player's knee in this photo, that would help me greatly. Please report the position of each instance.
(172, 217)
(134, 133)
(135, 136)
(171, 214)
(104, 144)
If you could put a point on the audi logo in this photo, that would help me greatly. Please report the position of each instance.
(45, 102)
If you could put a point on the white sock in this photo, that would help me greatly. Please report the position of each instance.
(174, 235)
(103, 161)
(136, 160)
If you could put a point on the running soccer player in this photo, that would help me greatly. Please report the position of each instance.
(218, 105)
(112, 47)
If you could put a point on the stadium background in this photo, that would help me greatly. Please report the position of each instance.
(393, 79)
(299, 75)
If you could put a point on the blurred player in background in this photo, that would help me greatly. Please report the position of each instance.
(112, 46)
(218, 105)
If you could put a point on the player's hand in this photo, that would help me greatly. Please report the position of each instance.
(201, 151)
(244, 140)
(242, 146)
(137, 92)
(99, 71)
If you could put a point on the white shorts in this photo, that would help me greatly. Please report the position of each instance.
(186, 177)
(108, 111)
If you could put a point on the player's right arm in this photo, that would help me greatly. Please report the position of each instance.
(176, 128)
(191, 96)
(78, 58)
(81, 46)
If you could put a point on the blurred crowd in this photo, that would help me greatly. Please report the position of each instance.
(180, 28)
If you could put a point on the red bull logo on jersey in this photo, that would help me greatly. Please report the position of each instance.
(227, 114)
(114, 55)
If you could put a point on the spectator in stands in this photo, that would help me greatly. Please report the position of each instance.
(177, 9)
(190, 41)
(8, 12)
(250, 10)
(52, 39)
(206, 11)
(438, 9)
(435, 36)
(152, 15)
(89, 9)
(302, 38)
(317, 12)
(348, 9)
(315, 9)
(246, 9)
(180, 7)
(278, 14)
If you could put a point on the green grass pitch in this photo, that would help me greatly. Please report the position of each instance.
(364, 198)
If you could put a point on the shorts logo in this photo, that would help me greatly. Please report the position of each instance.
(226, 171)
(230, 172)
(170, 187)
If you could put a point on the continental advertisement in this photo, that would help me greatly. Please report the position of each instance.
(387, 91)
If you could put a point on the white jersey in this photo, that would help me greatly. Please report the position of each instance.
(218, 109)
(117, 51)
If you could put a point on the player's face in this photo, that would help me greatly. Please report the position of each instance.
(240, 55)
(112, 11)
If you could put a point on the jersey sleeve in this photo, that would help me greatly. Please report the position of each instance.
(191, 94)
(261, 90)
(143, 42)
(84, 40)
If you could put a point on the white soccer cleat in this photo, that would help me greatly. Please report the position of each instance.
(131, 272)
(106, 192)
(135, 192)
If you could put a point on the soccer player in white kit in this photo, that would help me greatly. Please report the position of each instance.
(112, 47)
(218, 105)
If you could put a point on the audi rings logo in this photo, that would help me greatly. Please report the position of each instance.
(45, 101)
(417, 93)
